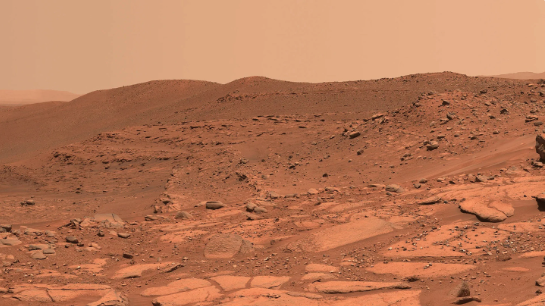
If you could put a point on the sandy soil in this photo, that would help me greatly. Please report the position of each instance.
(419, 190)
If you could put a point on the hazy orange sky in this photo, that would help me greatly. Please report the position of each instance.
(80, 46)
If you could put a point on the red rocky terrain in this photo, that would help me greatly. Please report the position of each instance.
(419, 190)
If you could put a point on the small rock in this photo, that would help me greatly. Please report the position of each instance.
(172, 268)
(48, 251)
(250, 207)
(463, 289)
(430, 200)
(504, 257)
(432, 145)
(5, 228)
(33, 247)
(377, 116)
(28, 203)
(481, 178)
(182, 215)
(312, 191)
(72, 239)
(38, 255)
(530, 118)
(354, 134)
(537, 164)
(10, 241)
(274, 195)
(128, 256)
(260, 210)
(214, 205)
(394, 188)
(150, 218)
(124, 235)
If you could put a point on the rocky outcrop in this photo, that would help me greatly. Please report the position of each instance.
(487, 211)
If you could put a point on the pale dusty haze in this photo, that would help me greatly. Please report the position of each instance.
(79, 46)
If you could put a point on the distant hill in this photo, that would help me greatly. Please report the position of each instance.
(22, 97)
(520, 76)
(42, 126)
